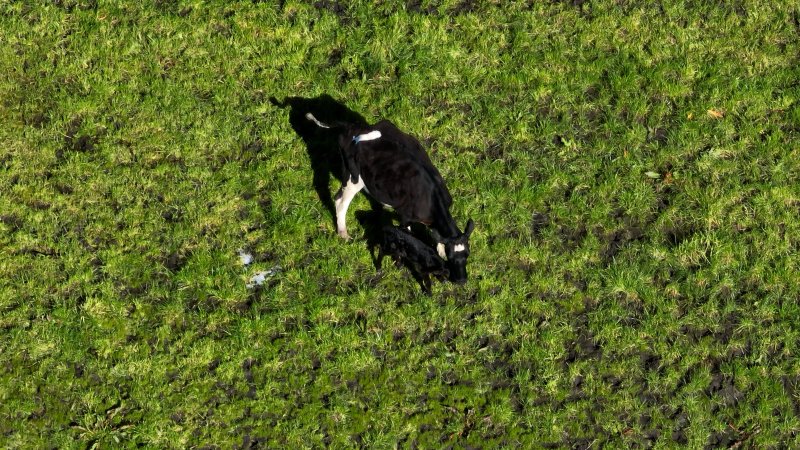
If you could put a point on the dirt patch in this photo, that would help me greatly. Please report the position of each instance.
(539, 221)
(726, 329)
(172, 215)
(664, 192)
(686, 378)
(634, 310)
(727, 438)
(465, 7)
(617, 240)
(649, 361)
(582, 348)
(576, 281)
(678, 233)
(591, 93)
(722, 385)
(571, 238)
(415, 6)
(63, 188)
(11, 221)
(202, 303)
(333, 6)
(335, 57)
(250, 442)
(695, 334)
(247, 366)
(657, 136)
(37, 120)
(251, 149)
(76, 142)
(175, 261)
(791, 384)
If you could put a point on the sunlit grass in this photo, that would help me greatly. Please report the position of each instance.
(631, 170)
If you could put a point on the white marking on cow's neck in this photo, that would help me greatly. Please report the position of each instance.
(440, 250)
(371, 136)
(459, 248)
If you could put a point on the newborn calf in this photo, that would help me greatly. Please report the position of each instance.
(422, 260)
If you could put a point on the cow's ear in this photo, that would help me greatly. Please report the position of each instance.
(469, 228)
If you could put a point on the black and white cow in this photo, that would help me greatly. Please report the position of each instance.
(394, 169)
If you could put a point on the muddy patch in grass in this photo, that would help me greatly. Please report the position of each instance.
(416, 6)
(539, 221)
(465, 7)
(657, 136)
(335, 7)
(75, 141)
(571, 237)
(616, 240)
(677, 233)
(13, 222)
(791, 385)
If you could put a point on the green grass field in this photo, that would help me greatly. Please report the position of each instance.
(632, 171)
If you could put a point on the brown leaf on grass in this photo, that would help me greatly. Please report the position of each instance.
(715, 113)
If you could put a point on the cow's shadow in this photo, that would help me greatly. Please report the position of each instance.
(322, 144)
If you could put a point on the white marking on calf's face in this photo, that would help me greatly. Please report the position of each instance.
(371, 136)
(459, 248)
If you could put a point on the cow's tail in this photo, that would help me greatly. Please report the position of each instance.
(311, 117)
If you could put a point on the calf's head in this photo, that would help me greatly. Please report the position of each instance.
(455, 251)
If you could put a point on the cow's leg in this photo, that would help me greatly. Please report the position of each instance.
(342, 202)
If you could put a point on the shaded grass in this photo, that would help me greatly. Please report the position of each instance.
(631, 171)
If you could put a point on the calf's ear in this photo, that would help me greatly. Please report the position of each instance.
(470, 226)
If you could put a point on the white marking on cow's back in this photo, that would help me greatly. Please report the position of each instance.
(371, 136)
(440, 250)
(459, 248)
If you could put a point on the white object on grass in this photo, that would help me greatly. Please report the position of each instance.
(244, 257)
(261, 276)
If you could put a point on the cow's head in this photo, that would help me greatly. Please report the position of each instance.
(455, 251)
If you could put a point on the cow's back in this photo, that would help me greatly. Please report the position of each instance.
(407, 143)
(398, 179)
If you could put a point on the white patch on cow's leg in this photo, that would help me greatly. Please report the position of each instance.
(440, 250)
(459, 248)
(342, 202)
